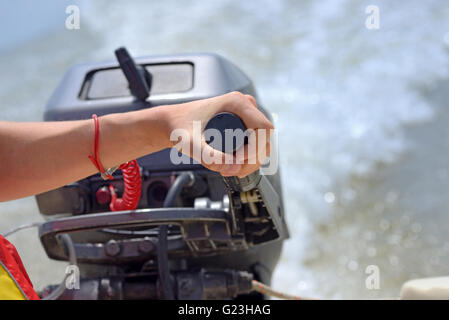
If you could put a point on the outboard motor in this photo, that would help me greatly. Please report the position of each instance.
(194, 234)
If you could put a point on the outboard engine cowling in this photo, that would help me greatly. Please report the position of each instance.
(220, 233)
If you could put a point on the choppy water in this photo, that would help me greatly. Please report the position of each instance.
(362, 119)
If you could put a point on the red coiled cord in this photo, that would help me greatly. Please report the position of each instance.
(131, 178)
(133, 188)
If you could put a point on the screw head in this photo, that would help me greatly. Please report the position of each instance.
(146, 245)
(112, 248)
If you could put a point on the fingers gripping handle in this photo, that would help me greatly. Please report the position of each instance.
(226, 132)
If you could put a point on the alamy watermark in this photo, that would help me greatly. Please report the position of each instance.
(372, 21)
(72, 22)
(72, 280)
(372, 281)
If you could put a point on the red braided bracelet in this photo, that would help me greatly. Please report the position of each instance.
(105, 174)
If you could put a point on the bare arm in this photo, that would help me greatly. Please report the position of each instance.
(39, 156)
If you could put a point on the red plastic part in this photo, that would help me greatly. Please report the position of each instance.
(133, 187)
(103, 195)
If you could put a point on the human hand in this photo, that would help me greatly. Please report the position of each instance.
(185, 120)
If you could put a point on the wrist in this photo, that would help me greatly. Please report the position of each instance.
(164, 116)
(155, 125)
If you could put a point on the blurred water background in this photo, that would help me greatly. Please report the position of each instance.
(363, 119)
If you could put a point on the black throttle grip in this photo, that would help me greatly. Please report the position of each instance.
(224, 121)
(230, 142)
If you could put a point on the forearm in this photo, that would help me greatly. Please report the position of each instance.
(40, 156)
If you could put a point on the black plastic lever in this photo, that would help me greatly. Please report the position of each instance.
(139, 79)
